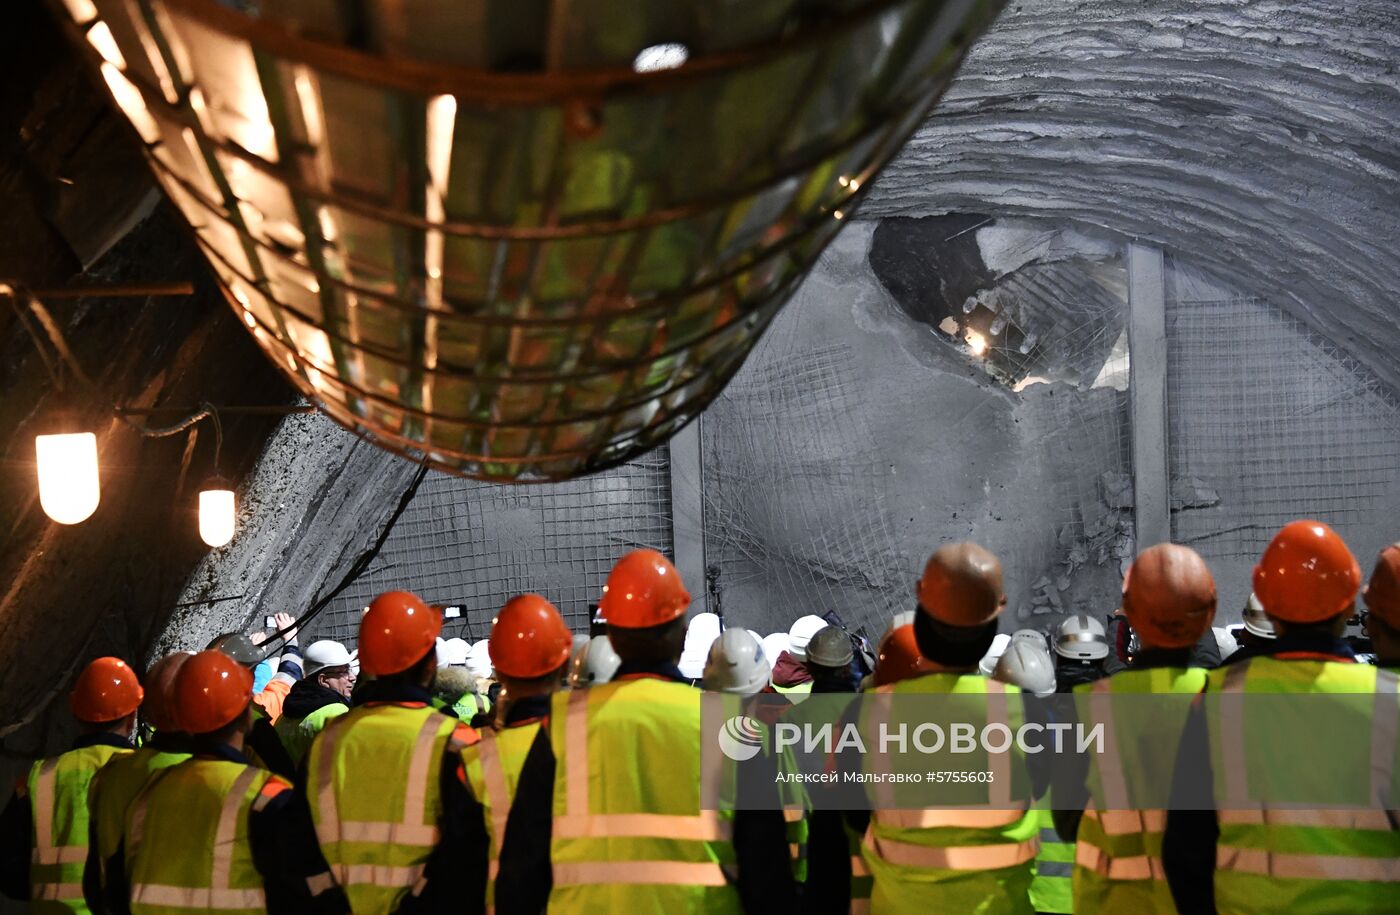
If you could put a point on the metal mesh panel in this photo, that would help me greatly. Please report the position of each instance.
(462, 542)
(819, 539)
(1271, 422)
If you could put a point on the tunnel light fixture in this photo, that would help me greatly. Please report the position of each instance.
(667, 56)
(217, 513)
(69, 484)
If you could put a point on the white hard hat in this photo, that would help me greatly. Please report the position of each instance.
(774, 644)
(700, 634)
(703, 627)
(1034, 636)
(479, 659)
(736, 664)
(355, 662)
(989, 660)
(1081, 637)
(1027, 665)
(323, 654)
(801, 633)
(1224, 641)
(456, 651)
(595, 664)
(692, 662)
(1256, 621)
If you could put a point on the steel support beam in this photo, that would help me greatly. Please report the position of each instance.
(1147, 344)
(688, 513)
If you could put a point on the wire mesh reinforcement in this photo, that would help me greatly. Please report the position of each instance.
(809, 534)
(475, 545)
(1272, 422)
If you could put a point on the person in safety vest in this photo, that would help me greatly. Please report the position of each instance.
(261, 745)
(1383, 601)
(971, 858)
(454, 693)
(244, 649)
(44, 829)
(608, 812)
(316, 698)
(385, 782)
(214, 833)
(1250, 848)
(119, 782)
(530, 647)
(737, 666)
(790, 674)
(1169, 600)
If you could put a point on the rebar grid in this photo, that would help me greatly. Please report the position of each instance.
(1278, 421)
(475, 545)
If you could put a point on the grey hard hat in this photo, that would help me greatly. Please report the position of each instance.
(1027, 665)
(1081, 637)
(830, 647)
(736, 664)
(237, 646)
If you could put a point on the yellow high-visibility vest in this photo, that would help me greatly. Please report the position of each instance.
(187, 839)
(1289, 860)
(376, 799)
(58, 795)
(628, 832)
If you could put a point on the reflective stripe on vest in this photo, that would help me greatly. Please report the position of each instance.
(114, 790)
(379, 861)
(1280, 859)
(1117, 854)
(58, 790)
(171, 818)
(629, 859)
(957, 858)
(493, 767)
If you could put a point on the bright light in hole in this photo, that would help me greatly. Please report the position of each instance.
(216, 514)
(661, 57)
(68, 486)
(977, 342)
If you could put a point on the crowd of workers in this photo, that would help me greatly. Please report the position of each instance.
(552, 771)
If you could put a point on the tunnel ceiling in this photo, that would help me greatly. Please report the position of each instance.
(1255, 139)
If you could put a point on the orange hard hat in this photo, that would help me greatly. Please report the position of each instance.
(1307, 574)
(106, 690)
(1169, 596)
(397, 631)
(1383, 593)
(900, 657)
(529, 638)
(961, 586)
(211, 689)
(643, 590)
(159, 707)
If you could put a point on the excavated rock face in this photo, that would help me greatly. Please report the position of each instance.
(1255, 139)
